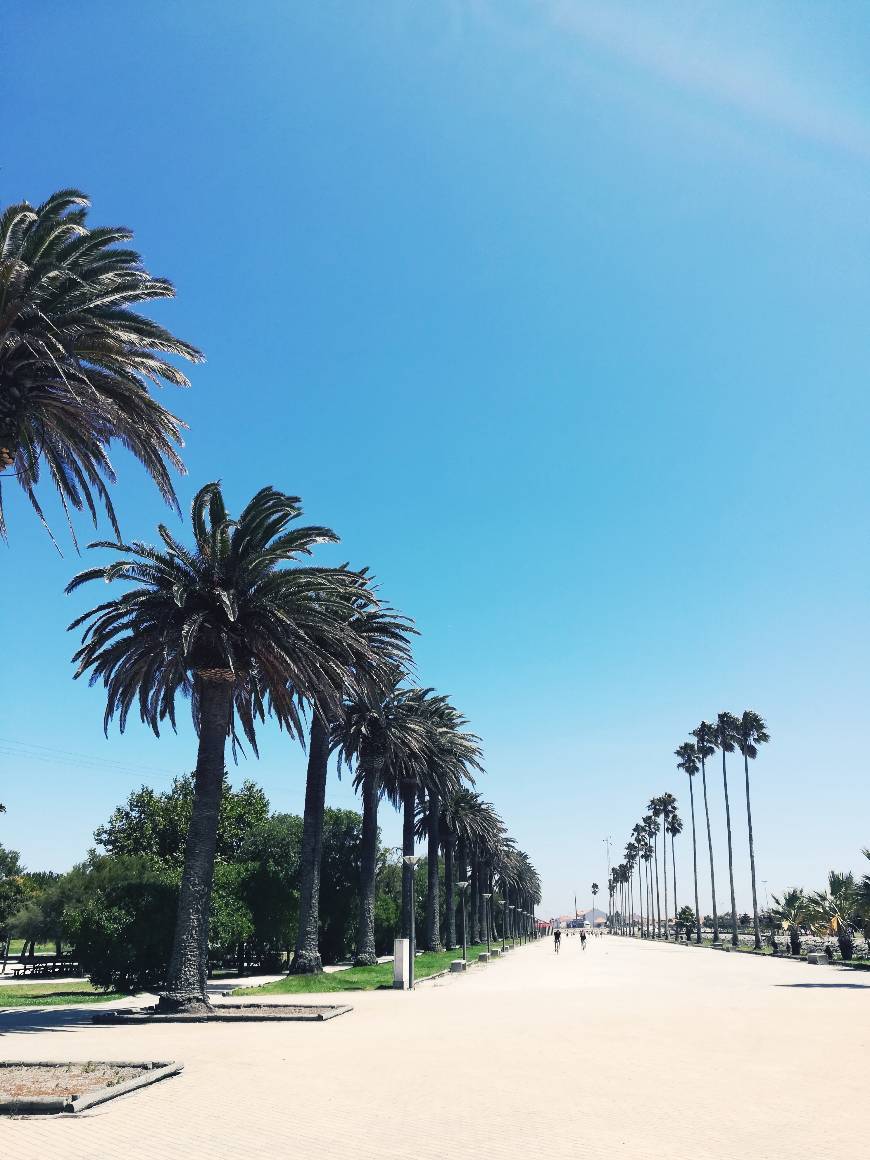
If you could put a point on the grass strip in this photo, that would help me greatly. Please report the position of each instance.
(53, 994)
(360, 978)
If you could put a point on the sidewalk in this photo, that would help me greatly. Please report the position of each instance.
(629, 1050)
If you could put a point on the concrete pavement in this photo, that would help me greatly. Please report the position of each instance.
(627, 1050)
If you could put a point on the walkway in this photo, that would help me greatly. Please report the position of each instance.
(627, 1050)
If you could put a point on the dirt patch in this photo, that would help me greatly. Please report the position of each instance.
(229, 1013)
(24, 1081)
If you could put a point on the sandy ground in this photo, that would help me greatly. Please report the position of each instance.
(628, 1050)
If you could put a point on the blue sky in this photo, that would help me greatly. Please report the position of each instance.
(559, 314)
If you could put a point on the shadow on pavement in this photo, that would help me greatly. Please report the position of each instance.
(843, 986)
(46, 1019)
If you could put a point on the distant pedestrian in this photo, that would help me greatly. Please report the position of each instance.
(557, 939)
(583, 939)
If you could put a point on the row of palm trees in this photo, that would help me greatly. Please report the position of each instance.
(641, 862)
(240, 623)
(728, 734)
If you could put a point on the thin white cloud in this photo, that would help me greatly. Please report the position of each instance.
(748, 80)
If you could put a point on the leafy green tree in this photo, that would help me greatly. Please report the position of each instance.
(76, 361)
(686, 921)
(11, 893)
(231, 627)
(156, 823)
(751, 732)
(121, 931)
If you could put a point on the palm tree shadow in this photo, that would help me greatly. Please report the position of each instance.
(841, 986)
(44, 1019)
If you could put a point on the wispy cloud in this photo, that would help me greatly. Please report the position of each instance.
(747, 80)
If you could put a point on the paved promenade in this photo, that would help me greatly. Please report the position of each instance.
(629, 1050)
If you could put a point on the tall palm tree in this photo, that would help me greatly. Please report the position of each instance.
(705, 744)
(727, 726)
(675, 828)
(667, 804)
(380, 732)
(231, 627)
(654, 805)
(751, 732)
(631, 853)
(386, 637)
(687, 756)
(76, 361)
(647, 855)
(476, 827)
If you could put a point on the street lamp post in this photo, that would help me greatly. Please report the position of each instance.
(512, 909)
(486, 899)
(503, 906)
(463, 889)
(411, 861)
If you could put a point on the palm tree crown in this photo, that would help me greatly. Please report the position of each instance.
(226, 610)
(76, 362)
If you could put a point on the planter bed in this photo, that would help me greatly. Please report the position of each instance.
(46, 1088)
(230, 1013)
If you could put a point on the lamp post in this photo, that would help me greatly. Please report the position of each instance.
(463, 890)
(411, 861)
(503, 904)
(486, 899)
(512, 909)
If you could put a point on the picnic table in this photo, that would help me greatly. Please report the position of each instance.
(44, 965)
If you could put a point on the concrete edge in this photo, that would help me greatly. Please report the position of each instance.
(54, 1105)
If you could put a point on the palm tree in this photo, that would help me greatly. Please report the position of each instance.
(654, 805)
(380, 731)
(727, 734)
(475, 827)
(793, 911)
(76, 362)
(837, 906)
(751, 732)
(452, 753)
(386, 637)
(667, 805)
(687, 756)
(675, 828)
(647, 856)
(705, 744)
(227, 626)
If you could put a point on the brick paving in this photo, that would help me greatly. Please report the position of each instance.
(626, 1050)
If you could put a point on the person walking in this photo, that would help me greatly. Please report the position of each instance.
(557, 939)
(583, 940)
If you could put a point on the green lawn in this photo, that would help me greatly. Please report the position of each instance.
(52, 994)
(359, 978)
(16, 946)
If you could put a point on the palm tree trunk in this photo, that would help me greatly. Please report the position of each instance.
(665, 870)
(695, 861)
(472, 901)
(676, 908)
(710, 848)
(306, 959)
(366, 953)
(658, 896)
(449, 895)
(752, 859)
(188, 967)
(734, 939)
(409, 801)
(433, 899)
(481, 901)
